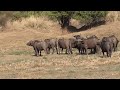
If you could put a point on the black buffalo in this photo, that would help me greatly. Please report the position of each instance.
(38, 46)
(64, 44)
(52, 44)
(106, 46)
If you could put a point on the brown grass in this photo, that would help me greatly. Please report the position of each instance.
(113, 16)
(38, 24)
(17, 60)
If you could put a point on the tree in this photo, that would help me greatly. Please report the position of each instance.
(63, 17)
(87, 16)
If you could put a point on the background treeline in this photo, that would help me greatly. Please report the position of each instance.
(63, 17)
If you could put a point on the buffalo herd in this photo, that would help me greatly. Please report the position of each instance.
(82, 44)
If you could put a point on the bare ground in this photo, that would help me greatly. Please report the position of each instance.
(17, 60)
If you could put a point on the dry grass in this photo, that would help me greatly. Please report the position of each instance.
(40, 24)
(113, 16)
(17, 60)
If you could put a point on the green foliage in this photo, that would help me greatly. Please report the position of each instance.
(80, 15)
(24, 14)
(4, 17)
(83, 16)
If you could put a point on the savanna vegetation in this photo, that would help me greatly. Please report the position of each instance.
(17, 60)
(63, 17)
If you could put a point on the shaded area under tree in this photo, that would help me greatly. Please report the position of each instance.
(89, 25)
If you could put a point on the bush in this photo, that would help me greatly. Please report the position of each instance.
(86, 16)
(4, 17)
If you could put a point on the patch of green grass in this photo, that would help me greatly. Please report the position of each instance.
(71, 71)
(20, 53)
(19, 60)
(11, 61)
(83, 57)
(10, 75)
(118, 48)
(2, 54)
(44, 57)
(112, 67)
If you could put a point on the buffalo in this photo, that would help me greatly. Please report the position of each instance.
(32, 43)
(106, 46)
(52, 44)
(90, 43)
(115, 42)
(38, 46)
(65, 44)
(78, 37)
(81, 46)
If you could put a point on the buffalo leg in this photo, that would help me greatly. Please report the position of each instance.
(46, 51)
(40, 52)
(71, 51)
(53, 50)
(79, 51)
(67, 51)
(36, 52)
(103, 53)
(91, 51)
(110, 52)
(56, 49)
(94, 50)
(62, 50)
(86, 51)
